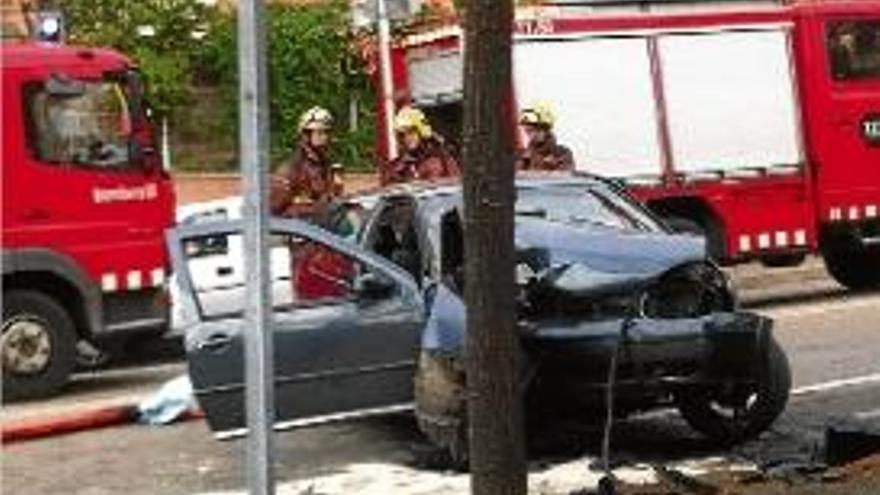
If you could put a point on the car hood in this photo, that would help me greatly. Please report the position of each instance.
(586, 258)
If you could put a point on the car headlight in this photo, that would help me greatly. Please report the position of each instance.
(688, 292)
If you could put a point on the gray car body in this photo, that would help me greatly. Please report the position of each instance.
(357, 357)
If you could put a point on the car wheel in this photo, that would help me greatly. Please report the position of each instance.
(441, 405)
(37, 346)
(732, 416)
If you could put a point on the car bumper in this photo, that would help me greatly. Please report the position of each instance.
(721, 347)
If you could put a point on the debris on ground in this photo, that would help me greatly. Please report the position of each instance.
(861, 477)
(174, 400)
(848, 439)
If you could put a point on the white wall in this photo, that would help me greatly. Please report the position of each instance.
(602, 93)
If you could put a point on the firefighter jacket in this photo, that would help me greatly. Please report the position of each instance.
(306, 186)
(548, 156)
(430, 161)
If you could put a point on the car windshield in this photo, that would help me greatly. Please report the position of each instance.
(578, 205)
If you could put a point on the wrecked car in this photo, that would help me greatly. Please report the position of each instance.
(600, 283)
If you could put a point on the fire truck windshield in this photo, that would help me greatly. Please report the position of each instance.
(89, 126)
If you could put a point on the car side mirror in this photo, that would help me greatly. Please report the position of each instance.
(371, 287)
(138, 154)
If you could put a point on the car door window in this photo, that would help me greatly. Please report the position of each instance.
(302, 273)
(395, 237)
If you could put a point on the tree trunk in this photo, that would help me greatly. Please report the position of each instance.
(497, 458)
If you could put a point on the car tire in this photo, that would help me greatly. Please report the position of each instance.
(856, 269)
(700, 409)
(441, 406)
(37, 346)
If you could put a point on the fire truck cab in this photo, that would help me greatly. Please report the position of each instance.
(85, 206)
(754, 123)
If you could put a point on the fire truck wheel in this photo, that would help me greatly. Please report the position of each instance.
(37, 346)
(783, 260)
(854, 269)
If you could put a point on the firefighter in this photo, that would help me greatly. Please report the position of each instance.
(306, 186)
(542, 152)
(423, 153)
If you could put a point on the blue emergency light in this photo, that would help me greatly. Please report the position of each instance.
(50, 26)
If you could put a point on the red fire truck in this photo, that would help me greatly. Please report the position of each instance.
(756, 123)
(85, 206)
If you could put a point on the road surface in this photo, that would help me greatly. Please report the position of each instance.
(832, 339)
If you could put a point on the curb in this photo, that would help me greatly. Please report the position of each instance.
(93, 419)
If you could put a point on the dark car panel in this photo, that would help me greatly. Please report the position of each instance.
(341, 356)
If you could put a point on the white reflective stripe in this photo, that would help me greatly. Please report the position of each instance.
(157, 276)
(781, 239)
(800, 238)
(745, 243)
(854, 213)
(133, 281)
(836, 214)
(871, 211)
(109, 282)
(764, 241)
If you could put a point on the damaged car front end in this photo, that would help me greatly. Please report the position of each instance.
(592, 297)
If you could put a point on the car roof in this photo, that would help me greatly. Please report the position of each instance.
(451, 187)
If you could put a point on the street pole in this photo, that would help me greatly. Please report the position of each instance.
(384, 28)
(166, 147)
(257, 332)
(497, 453)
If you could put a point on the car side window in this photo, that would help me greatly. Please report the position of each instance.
(854, 49)
(302, 273)
(79, 122)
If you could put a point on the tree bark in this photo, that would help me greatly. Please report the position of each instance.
(497, 458)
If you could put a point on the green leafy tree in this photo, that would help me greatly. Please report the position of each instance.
(182, 45)
(311, 61)
(157, 34)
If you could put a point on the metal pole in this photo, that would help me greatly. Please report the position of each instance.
(384, 28)
(254, 134)
(166, 147)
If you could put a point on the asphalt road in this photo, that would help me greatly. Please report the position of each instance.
(832, 339)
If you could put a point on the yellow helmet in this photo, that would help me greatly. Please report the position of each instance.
(412, 118)
(315, 118)
(540, 114)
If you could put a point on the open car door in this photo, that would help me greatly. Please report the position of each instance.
(346, 352)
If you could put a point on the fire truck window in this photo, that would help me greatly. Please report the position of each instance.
(854, 49)
(88, 127)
